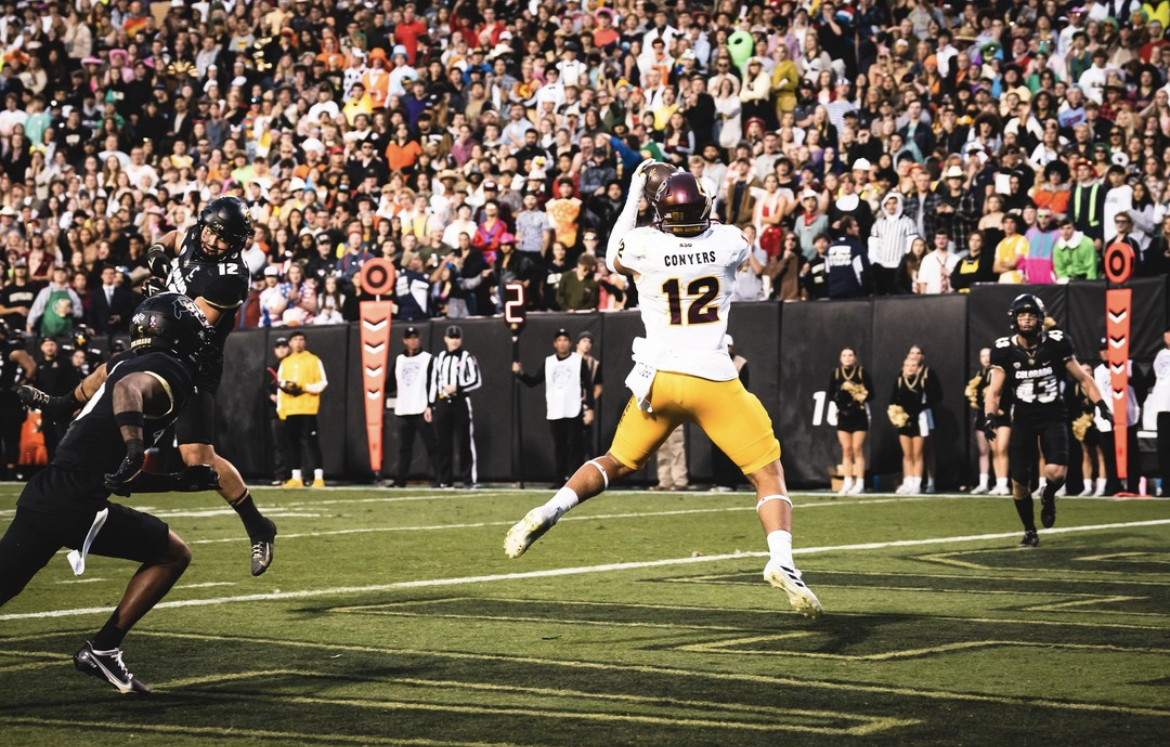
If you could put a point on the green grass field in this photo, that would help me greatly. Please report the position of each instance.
(393, 618)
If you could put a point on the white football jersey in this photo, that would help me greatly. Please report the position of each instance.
(684, 290)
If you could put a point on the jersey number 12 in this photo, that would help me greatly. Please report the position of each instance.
(701, 310)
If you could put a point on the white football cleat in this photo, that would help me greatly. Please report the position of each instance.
(857, 489)
(903, 489)
(799, 596)
(980, 490)
(999, 490)
(526, 531)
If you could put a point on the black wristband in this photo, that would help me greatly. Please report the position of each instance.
(130, 417)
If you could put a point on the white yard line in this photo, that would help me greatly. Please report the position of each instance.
(605, 568)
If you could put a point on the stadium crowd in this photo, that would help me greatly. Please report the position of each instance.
(865, 147)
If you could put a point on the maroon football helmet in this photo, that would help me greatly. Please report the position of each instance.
(656, 174)
(683, 205)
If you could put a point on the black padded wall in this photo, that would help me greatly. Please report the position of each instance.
(937, 324)
(812, 336)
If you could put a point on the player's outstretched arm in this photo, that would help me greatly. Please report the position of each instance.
(627, 220)
(1089, 386)
(135, 397)
(61, 408)
(159, 255)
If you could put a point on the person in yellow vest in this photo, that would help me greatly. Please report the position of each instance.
(302, 379)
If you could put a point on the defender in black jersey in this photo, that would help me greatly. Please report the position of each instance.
(208, 269)
(67, 504)
(1032, 365)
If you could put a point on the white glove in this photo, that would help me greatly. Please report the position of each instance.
(638, 180)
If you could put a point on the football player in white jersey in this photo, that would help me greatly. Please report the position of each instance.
(685, 268)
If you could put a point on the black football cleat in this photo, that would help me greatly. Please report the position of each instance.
(1048, 511)
(262, 548)
(1031, 539)
(108, 666)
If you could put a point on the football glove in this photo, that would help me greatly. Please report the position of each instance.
(193, 479)
(989, 425)
(59, 409)
(1103, 410)
(152, 287)
(158, 261)
(118, 482)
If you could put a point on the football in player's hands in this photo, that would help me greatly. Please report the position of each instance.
(119, 482)
(640, 173)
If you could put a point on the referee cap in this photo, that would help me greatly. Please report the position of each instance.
(454, 332)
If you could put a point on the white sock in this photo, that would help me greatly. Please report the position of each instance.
(1043, 483)
(318, 474)
(983, 478)
(1101, 482)
(1088, 483)
(848, 484)
(780, 547)
(1001, 482)
(296, 475)
(560, 504)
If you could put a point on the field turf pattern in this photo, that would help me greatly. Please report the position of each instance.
(392, 617)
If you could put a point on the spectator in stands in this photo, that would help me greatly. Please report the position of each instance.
(412, 292)
(17, 296)
(937, 266)
(1074, 256)
(977, 266)
(111, 304)
(848, 263)
(1011, 252)
(577, 290)
(1042, 238)
(890, 240)
(56, 308)
(1155, 260)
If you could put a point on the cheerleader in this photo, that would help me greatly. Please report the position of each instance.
(851, 390)
(990, 454)
(933, 397)
(1084, 430)
(909, 403)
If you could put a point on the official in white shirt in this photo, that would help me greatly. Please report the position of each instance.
(1159, 402)
(409, 397)
(568, 396)
(1105, 427)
